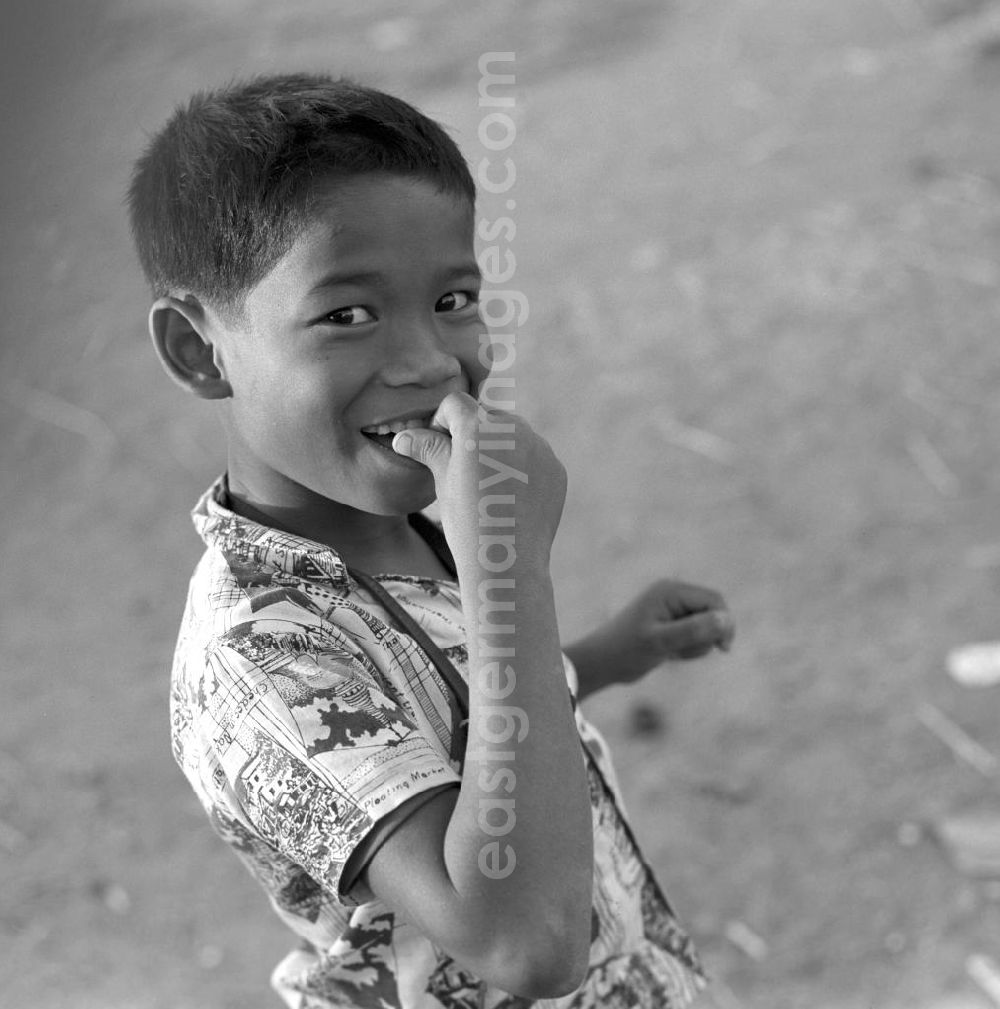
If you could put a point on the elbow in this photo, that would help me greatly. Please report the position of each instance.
(553, 979)
(548, 965)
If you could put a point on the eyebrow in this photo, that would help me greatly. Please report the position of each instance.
(342, 279)
(362, 277)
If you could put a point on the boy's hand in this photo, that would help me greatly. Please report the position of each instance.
(674, 620)
(476, 453)
(668, 620)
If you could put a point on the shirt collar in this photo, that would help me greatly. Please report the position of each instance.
(249, 546)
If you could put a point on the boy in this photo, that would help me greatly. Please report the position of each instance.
(310, 247)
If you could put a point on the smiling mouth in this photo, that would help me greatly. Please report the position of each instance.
(382, 434)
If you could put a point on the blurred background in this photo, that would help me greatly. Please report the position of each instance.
(759, 240)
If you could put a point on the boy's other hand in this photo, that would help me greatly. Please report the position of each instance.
(494, 475)
(675, 620)
(668, 620)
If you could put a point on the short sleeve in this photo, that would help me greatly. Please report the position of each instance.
(377, 836)
(317, 746)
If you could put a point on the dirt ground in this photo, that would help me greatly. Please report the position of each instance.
(759, 240)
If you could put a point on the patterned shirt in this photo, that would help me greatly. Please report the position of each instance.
(303, 718)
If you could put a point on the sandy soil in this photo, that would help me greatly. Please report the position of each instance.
(759, 242)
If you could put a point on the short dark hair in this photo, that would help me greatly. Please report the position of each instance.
(223, 189)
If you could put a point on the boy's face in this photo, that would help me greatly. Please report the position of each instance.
(371, 316)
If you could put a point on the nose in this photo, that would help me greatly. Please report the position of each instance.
(416, 353)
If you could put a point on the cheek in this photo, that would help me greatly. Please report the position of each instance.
(494, 356)
(473, 355)
(280, 406)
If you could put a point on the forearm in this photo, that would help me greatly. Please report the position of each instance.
(591, 673)
(600, 660)
(519, 845)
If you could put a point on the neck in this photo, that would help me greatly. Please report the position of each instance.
(363, 540)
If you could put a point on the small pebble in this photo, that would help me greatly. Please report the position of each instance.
(646, 720)
(746, 940)
(971, 840)
(975, 665)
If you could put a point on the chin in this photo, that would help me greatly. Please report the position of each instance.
(399, 501)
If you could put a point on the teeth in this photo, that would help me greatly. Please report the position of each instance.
(396, 426)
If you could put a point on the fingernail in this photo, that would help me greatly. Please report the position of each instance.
(402, 442)
(724, 625)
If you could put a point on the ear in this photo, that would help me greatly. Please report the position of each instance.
(181, 336)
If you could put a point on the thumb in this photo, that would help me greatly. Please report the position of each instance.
(690, 637)
(432, 448)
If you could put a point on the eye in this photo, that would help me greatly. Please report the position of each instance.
(455, 301)
(352, 315)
